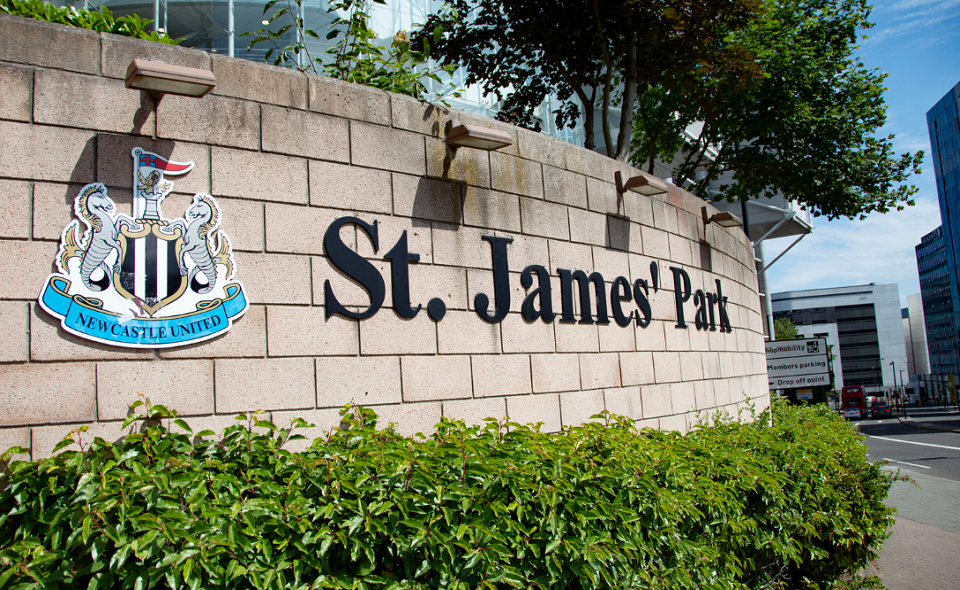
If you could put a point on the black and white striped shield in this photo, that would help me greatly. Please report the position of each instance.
(150, 269)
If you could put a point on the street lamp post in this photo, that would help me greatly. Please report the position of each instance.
(956, 349)
(903, 392)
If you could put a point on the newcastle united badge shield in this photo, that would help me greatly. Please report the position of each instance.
(144, 281)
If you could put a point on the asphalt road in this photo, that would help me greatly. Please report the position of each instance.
(930, 458)
(921, 551)
(913, 450)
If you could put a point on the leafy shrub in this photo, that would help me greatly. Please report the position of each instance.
(788, 501)
(101, 21)
(357, 56)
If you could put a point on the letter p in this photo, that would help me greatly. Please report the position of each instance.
(681, 292)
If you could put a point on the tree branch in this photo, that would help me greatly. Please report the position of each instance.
(629, 100)
(607, 81)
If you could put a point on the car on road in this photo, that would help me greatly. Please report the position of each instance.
(853, 402)
(880, 410)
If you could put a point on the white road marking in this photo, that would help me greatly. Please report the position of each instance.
(910, 442)
(905, 463)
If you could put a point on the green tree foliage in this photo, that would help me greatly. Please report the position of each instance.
(784, 329)
(730, 506)
(357, 56)
(95, 20)
(607, 54)
(781, 102)
(806, 127)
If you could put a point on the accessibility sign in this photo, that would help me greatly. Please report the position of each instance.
(797, 363)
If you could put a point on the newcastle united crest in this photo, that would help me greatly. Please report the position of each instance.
(144, 281)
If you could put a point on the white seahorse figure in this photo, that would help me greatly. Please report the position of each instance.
(203, 218)
(96, 209)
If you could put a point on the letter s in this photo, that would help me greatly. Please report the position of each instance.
(355, 266)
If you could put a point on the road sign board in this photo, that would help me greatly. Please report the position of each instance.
(803, 347)
(797, 363)
(803, 381)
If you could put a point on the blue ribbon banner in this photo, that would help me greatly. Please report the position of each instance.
(85, 317)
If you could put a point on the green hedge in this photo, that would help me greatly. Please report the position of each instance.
(787, 501)
(101, 21)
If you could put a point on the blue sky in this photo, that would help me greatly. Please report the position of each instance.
(917, 42)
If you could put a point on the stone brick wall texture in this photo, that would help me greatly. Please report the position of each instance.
(287, 153)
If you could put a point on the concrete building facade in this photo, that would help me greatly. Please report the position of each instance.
(869, 329)
(915, 336)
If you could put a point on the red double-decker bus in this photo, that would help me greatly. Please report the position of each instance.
(853, 402)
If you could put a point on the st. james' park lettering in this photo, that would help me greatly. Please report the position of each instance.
(710, 314)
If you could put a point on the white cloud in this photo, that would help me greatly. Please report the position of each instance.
(839, 253)
(912, 141)
(911, 17)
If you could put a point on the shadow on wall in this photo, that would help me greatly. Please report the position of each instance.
(147, 107)
(618, 232)
(437, 200)
(428, 114)
(706, 256)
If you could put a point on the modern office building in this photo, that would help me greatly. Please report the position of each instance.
(869, 329)
(938, 257)
(915, 336)
(937, 302)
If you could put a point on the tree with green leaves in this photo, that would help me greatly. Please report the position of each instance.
(805, 128)
(778, 99)
(102, 20)
(598, 56)
(784, 329)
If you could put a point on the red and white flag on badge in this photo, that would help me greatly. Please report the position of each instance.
(148, 165)
(151, 160)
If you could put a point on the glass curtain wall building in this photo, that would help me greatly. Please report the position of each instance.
(943, 125)
(938, 310)
(218, 26)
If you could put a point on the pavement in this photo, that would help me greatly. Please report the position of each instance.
(943, 419)
(919, 555)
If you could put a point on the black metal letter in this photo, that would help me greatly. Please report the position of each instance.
(355, 266)
(566, 296)
(712, 300)
(543, 291)
(641, 294)
(700, 300)
(501, 282)
(681, 292)
(400, 259)
(620, 291)
(722, 310)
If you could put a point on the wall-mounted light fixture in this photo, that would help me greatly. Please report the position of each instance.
(643, 184)
(159, 78)
(481, 138)
(721, 218)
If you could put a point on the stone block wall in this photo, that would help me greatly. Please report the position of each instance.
(285, 154)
